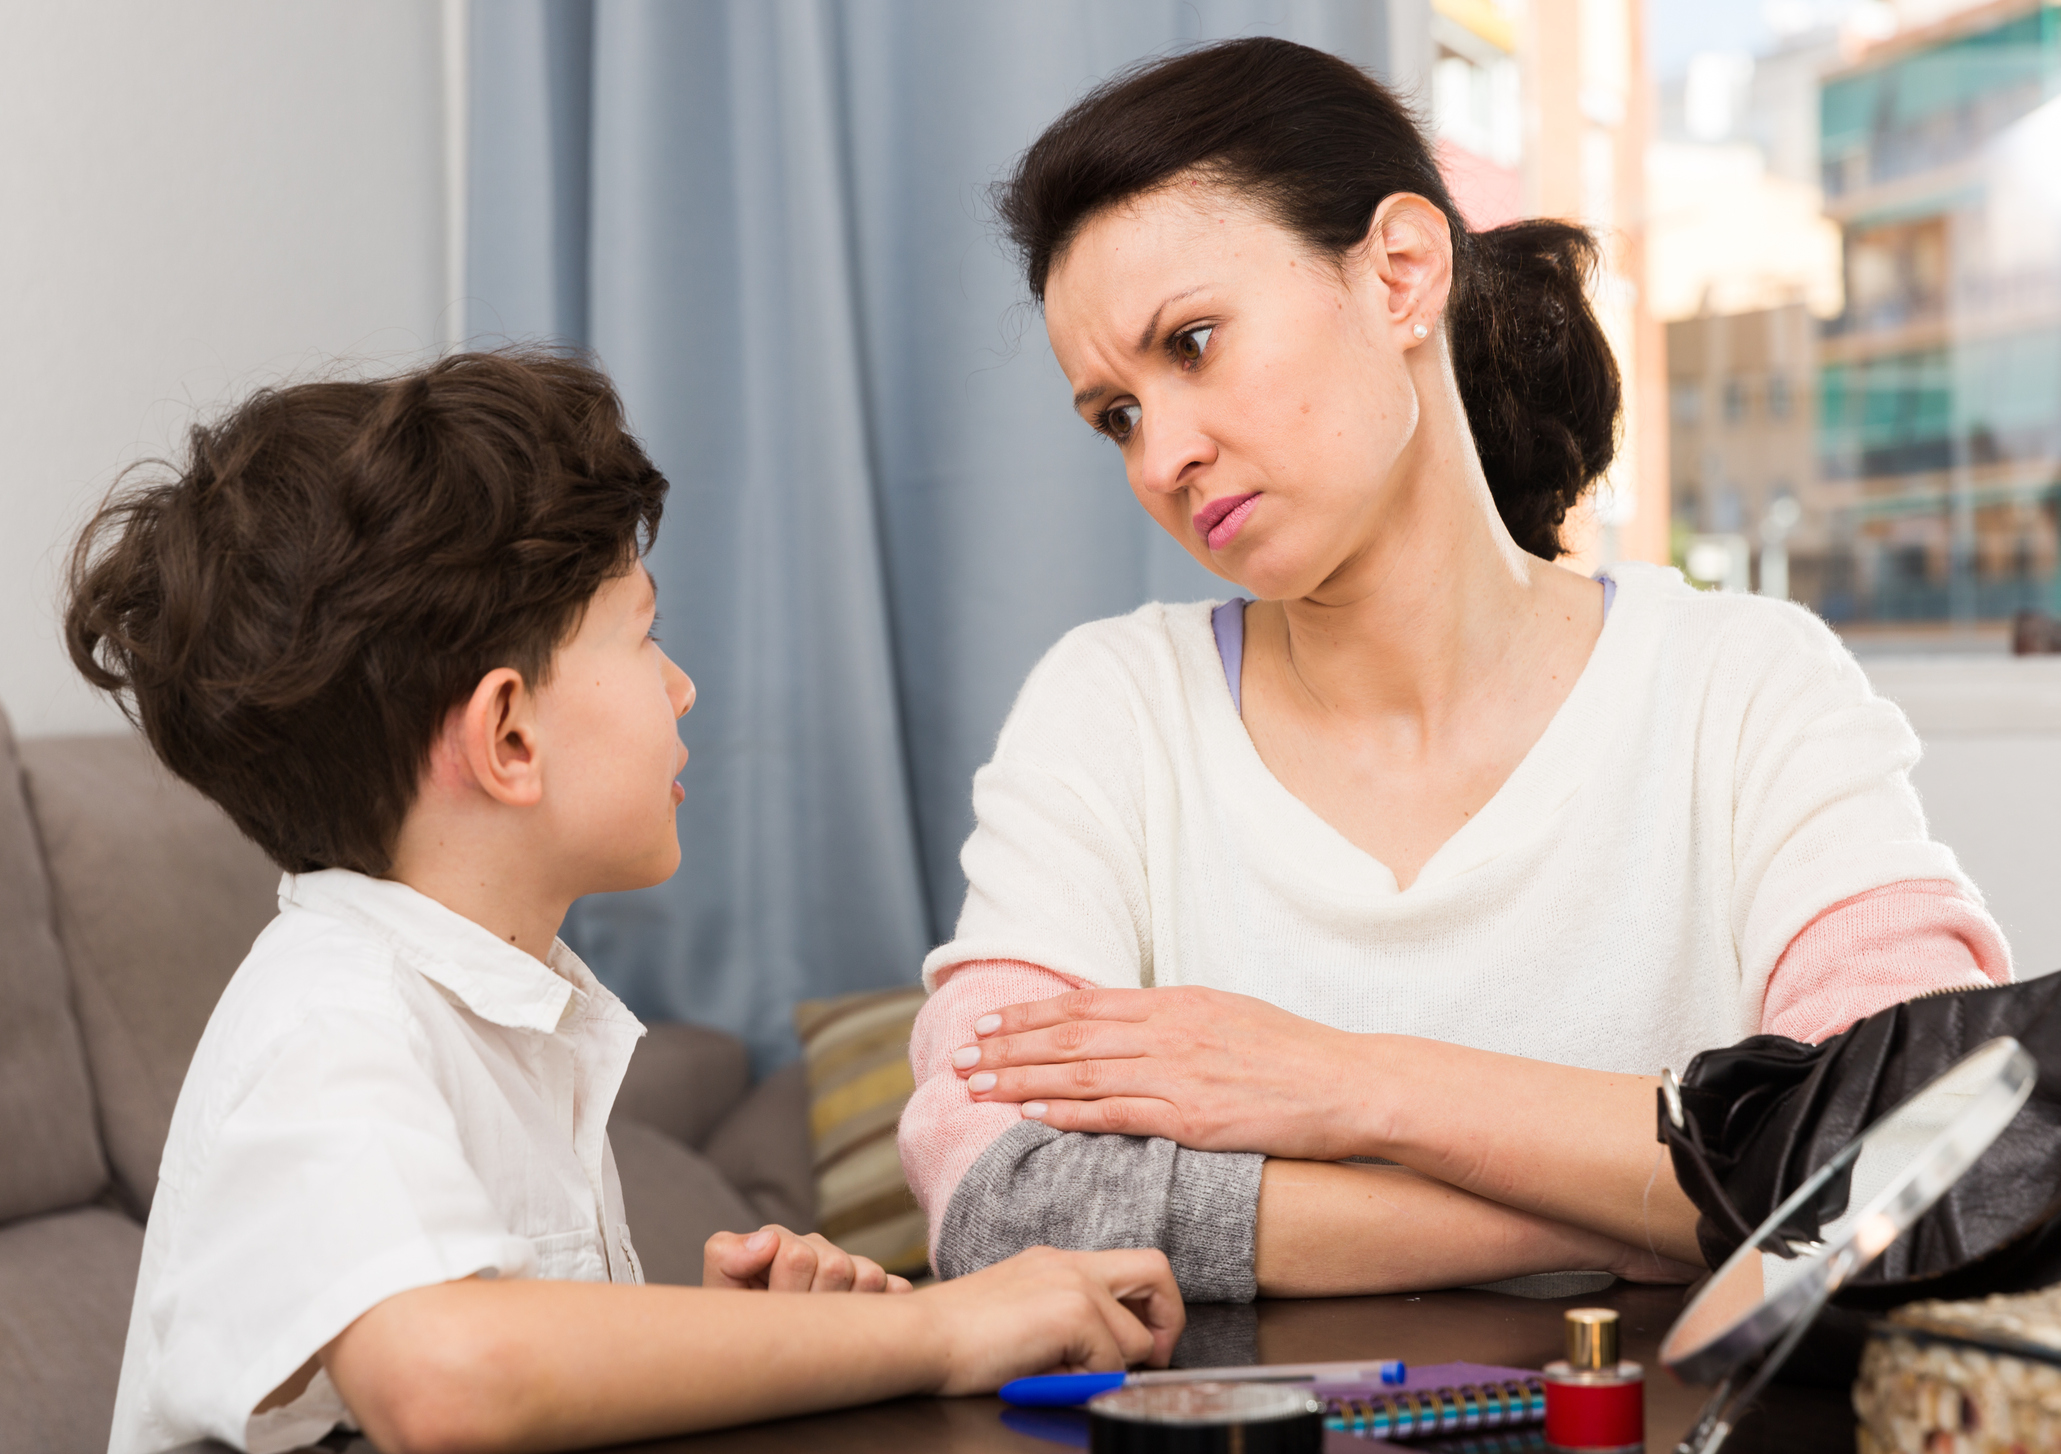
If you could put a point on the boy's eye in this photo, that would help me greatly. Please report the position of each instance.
(1118, 423)
(1190, 346)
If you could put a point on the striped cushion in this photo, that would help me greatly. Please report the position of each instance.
(857, 1050)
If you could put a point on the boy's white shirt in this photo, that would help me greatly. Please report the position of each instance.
(386, 1097)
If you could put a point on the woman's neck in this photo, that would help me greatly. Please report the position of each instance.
(1434, 609)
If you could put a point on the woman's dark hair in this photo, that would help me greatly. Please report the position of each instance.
(293, 612)
(1318, 144)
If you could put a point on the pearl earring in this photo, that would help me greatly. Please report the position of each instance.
(1421, 331)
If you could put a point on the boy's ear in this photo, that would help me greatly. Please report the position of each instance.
(496, 739)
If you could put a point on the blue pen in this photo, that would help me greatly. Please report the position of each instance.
(1068, 1390)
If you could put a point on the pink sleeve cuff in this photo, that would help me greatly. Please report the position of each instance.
(943, 1129)
(1878, 949)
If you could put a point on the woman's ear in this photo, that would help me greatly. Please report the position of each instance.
(1409, 247)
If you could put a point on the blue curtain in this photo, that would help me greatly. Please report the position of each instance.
(768, 218)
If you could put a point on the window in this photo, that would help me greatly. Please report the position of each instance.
(1735, 400)
(1779, 401)
(1685, 402)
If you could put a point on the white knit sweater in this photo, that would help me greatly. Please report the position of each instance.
(1720, 774)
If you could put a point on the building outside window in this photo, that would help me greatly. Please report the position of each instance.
(1477, 107)
(1742, 266)
(1940, 381)
(1889, 364)
(1735, 401)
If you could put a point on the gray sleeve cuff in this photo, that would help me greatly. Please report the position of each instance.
(1035, 1186)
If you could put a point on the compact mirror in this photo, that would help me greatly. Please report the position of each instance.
(1838, 1222)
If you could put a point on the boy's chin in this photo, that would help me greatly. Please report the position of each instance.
(621, 878)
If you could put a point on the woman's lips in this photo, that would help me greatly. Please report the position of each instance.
(1219, 521)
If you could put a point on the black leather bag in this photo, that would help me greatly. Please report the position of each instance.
(1760, 1117)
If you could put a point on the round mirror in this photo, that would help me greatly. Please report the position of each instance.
(1848, 1211)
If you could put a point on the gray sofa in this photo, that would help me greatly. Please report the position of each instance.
(126, 901)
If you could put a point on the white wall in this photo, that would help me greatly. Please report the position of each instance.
(194, 198)
(1991, 782)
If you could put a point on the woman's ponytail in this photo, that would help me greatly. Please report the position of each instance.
(1535, 371)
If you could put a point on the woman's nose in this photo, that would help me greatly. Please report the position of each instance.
(1176, 449)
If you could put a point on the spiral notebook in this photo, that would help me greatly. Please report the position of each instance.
(1457, 1406)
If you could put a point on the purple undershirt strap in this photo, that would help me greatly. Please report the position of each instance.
(1228, 622)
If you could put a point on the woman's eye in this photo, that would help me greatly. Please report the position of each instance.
(1120, 421)
(1190, 346)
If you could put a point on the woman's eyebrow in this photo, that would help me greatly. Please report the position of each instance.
(1152, 328)
(1090, 395)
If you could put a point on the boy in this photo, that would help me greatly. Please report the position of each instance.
(401, 632)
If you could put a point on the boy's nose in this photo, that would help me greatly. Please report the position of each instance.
(679, 687)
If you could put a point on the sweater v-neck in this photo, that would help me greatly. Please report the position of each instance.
(1549, 774)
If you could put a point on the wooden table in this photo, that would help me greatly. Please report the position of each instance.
(1440, 1327)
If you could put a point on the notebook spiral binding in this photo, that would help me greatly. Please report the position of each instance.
(1430, 1412)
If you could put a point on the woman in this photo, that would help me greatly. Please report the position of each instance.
(1435, 853)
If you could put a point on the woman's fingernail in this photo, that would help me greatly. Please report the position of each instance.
(985, 1081)
(1034, 1110)
(760, 1241)
(966, 1057)
(987, 1024)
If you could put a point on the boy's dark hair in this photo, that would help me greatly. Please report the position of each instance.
(291, 617)
(1318, 143)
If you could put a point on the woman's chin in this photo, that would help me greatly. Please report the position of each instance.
(1265, 576)
(1265, 569)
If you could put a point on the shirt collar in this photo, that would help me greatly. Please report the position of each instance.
(489, 976)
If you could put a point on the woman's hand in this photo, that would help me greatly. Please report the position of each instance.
(1210, 1070)
(1044, 1311)
(783, 1261)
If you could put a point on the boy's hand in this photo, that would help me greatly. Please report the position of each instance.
(783, 1261)
(1045, 1311)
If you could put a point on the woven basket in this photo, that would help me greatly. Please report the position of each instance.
(1964, 1378)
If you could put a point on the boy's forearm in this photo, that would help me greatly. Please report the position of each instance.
(1329, 1229)
(537, 1365)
